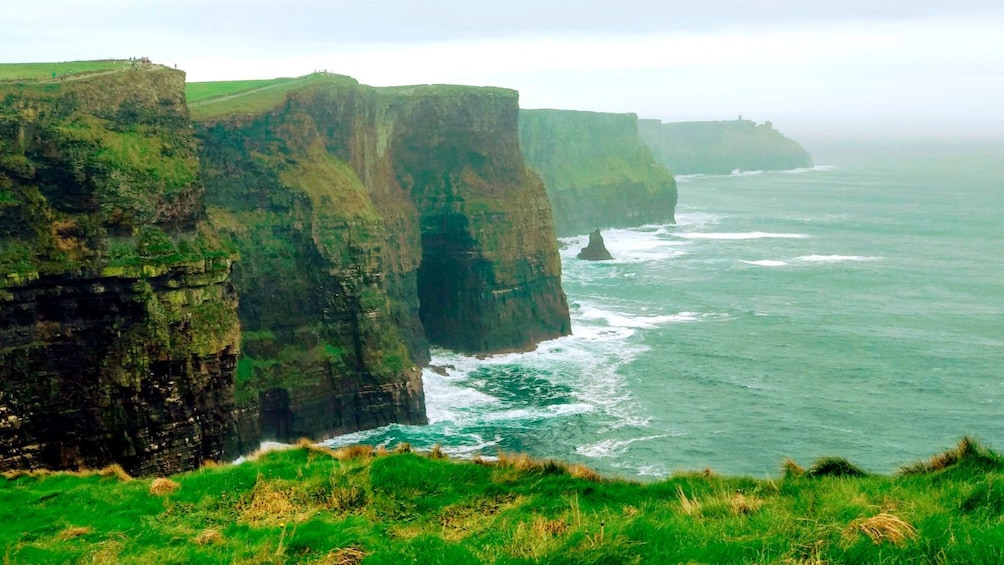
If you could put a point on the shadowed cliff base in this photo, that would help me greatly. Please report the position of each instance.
(596, 170)
(353, 205)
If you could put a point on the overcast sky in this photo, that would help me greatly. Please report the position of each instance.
(813, 67)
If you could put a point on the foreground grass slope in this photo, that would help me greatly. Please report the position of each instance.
(311, 505)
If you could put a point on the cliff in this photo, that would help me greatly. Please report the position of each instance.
(722, 147)
(118, 325)
(371, 222)
(597, 171)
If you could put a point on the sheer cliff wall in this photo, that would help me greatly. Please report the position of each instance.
(371, 222)
(118, 327)
(597, 171)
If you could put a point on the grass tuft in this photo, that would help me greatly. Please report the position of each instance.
(691, 506)
(115, 470)
(437, 452)
(834, 467)
(209, 536)
(345, 556)
(354, 452)
(790, 469)
(74, 532)
(744, 504)
(881, 528)
(967, 451)
(162, 487)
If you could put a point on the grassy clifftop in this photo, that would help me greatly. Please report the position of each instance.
(355, 505)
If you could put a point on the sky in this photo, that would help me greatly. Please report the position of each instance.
(815, 68)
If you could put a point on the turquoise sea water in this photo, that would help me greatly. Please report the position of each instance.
(854, 309)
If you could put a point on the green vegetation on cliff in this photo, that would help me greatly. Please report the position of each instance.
(118, 322)
(722, 147)
(354, 505)
(45, 71)
(596, 170)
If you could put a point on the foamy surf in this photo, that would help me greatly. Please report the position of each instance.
(766, 263)
(835, 258)
(740, 235)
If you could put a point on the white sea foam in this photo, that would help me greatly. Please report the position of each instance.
(740, 235)
(817, 168)
(766, 263)
(612, 447)
(742, 173)
(621, 320)
(835, 258)
(265, 447)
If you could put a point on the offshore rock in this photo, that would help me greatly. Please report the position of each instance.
(371, 222)
(596, 170)
(722, 147)
(596, 250)
(118, 325)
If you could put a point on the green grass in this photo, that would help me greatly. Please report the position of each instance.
(207, 100)
(43, 71)
(199, 91)
(311, 505)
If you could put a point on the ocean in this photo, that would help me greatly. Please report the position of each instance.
(853, 309)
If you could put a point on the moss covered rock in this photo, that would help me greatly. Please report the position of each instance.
(118, 326)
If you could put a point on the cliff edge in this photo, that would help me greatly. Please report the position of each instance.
(722, 147)
(371, 222)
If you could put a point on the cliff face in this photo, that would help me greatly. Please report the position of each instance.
(118, 326)
(350, 205)
(722, 147)
(596, 170)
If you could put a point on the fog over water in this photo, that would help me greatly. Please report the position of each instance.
(823, 68)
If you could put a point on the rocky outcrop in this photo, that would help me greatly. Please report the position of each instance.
(722, 147)
(596, 170)
(118, 326)
(370, 222)
(596, 250)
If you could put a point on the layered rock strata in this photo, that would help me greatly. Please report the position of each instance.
(596, 170)
(370, 222)
(118, 327)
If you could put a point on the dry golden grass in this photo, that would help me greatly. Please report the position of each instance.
(403, 447)
(549, 528)
(743, 504)
(161, 486)
(437, 452)
(354, 452)
(791, 469)
(74, 532)
(584, 473)
(268, 505)
(208, 536)
(881, 528)
(345, 556)
(115, 470)
(690, 506)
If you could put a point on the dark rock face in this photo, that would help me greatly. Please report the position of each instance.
(722, 147)
(351, 206)
(118, 325)
(596, 170)
(596, 250)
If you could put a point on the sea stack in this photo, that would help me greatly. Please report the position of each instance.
(596, 250)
